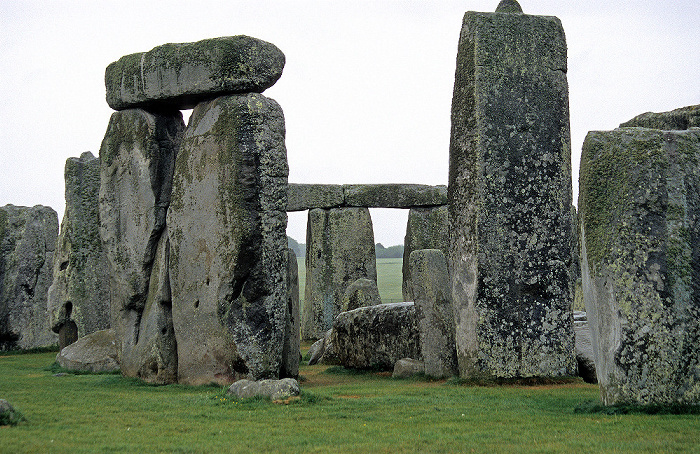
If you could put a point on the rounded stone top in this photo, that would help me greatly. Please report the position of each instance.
(509, 6)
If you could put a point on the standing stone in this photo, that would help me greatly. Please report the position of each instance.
(427, 228)
(339, 250)
(178, 76)
(361, 293)
(137, 159)
(292, 339)
(510, 198)
(79, 296)
(227, 226)
(639, 205)
(27, 244)
(433, 301)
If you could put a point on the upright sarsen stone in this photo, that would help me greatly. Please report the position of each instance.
(79, 298)
(228, 246)
(339, 250)
(427, 228)
(137, 159)
(510, 197)
(639, 207)
(27, 244)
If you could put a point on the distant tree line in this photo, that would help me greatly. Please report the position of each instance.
(391, 252)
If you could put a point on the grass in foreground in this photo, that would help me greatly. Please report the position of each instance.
(337, 412)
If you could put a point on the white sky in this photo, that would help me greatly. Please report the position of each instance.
(366, 90)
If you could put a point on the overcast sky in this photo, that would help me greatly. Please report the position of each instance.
(366, 89)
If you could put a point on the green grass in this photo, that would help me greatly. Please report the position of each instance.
(389, 279)
(337, 412)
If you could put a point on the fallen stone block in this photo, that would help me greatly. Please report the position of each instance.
(407, 367)
(361, 293)
(96, 352)
(376, 337)
(273, 389)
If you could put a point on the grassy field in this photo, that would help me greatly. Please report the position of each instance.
(337, 412)
(389, 278)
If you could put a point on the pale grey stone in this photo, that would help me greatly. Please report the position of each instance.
(96, 352)
(584, 352)
(407, 367)
(303, 197)
(427, 228)
(292, 338)
(27, 244)
(510, 197)
(678, 119)
(394, 195)
(639, 205)
(227, 227)
(179, 76)
(376, 336)
(361, 293)
(79, 297)
(340, 250)
(433, 303)
(137, 160)
(274, 389)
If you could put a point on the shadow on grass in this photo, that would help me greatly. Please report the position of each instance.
(520, 381)
(595, 407)
(56, 368)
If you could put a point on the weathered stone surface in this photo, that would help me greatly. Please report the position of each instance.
(433, 303)
(376, 336)
(322, 351)
(96, 352)
(27, 244)
(292, 340)
(394, 195)
(427, 228)
(179, 76)
(584, 350)
(8, 415)
(137, 160)
(678, 119)
(227, 227)
(340, 250)
(361, 293)
(303, 197)
(407, 367)
(639, 205)
(509, 6)
(274, 389)
(510, 198)
(79, 298)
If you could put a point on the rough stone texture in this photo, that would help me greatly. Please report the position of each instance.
(639, 205)
(292, 340)
(678, 119)
(27, 244)
(510, 198)
(309, 196)
(274, 389)
(179, 76)
(361, 293)
(303, 197)
(377, 336)
(227, 226)
(427, 228)
(509, 6)
(407, 367)
(584, 349)
(340, 250)
(137, 160)
(79, 297)
(433, 303)
(96, 352)
(394, 195)
(8, 415)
